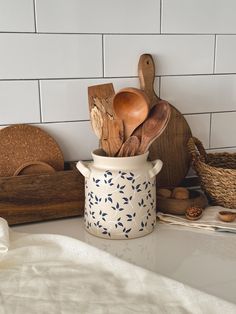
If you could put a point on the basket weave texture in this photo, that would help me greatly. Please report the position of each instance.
(217, 173)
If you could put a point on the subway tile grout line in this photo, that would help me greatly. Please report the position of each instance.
(209, 139)
(160, 16)
(214, 56)
(35, 17)
(115, 77)
(208, 112)
(160, 86)
(115, 34)
(40, 102)
(47, 122)
(103, 57)
(111, 77)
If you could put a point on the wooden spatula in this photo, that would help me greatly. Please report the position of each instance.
(106, 125)
(130, 147)
(171, 146)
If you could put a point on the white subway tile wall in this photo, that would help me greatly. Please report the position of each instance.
(59, 98)
(198, 16)
(17, 16)
(19, 102)
(200, 127)
(52, 50)
(32, 56)
(172, 54)
(103, 16)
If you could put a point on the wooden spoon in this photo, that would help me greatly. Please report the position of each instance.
(131, 105)
(130, 147)
(153, 126)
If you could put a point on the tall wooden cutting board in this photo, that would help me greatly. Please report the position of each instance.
(171, 146)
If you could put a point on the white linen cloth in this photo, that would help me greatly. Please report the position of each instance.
(4, 236)
(45, 273)
(208, 221)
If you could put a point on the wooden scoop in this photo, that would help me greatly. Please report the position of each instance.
(130, 147)
(153, 126)
(131, 105)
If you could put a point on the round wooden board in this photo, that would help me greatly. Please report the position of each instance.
(34, 167)
(23, 143)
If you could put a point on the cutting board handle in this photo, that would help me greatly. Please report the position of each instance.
(146, 73)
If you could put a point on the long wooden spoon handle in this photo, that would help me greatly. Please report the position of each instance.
(146, 72)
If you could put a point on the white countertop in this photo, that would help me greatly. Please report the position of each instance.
(205, 260)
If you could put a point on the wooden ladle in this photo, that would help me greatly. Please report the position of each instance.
(131, 105)
(154, 125)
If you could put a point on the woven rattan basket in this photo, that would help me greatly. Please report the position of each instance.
(217, 173)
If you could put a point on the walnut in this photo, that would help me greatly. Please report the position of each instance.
(180, 193)
(193, 213)
(165, 193)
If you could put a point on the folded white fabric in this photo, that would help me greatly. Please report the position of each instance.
(4, 236)
(208, 221)
(57, 274)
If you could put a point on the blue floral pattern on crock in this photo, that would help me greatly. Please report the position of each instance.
(114, 188)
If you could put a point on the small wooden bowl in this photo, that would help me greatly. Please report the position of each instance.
(34, 167)
(226, 216)
(178, 207)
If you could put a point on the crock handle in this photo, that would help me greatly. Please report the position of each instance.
(82, 167)
(157, 165)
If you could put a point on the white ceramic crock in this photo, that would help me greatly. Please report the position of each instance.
(120, 195)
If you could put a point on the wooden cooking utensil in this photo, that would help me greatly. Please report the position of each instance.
(23, 143)
(130, 147)
(131, 105)
(106, 125)
(153, 126)
(171, 146)
(112, 135)
(34, 167)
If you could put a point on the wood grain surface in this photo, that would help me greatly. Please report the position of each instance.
(171, 146)
(34, 167)
(30, 198)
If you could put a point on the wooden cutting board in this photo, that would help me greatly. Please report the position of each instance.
(171, 146)
(23, 143)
